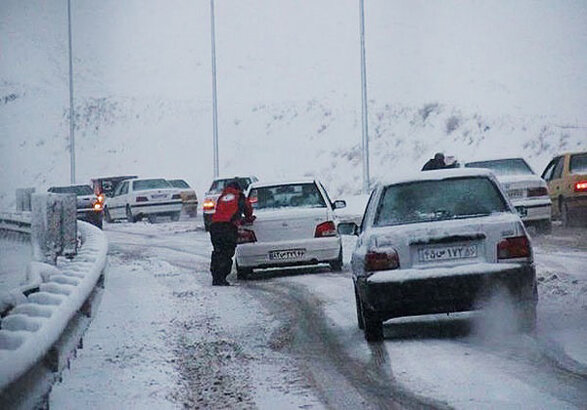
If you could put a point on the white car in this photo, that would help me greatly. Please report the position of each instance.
(295, 225)
(527, 191)
(134, 199)
(442, 241)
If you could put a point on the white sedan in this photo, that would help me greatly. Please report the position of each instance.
(295, 225)
(527, 191)
(134, 199)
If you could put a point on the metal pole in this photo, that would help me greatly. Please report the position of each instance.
(71, 109)
(214, 101)
(364, 119)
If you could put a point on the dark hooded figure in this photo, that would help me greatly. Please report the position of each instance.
(231, 206)
(435, 163)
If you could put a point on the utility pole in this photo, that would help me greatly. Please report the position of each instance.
(214, 101)
(364, 118)
(71, 109)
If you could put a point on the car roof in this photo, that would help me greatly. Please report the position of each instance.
(70, 186)
(282, 182)
(496, 159)
(440, 174)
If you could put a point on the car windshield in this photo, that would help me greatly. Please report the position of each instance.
(219, 184)
(75, 189)
(424, 201)
(143, 184)
(515, 166)
(287, 196)
(178, 183)
(578, 164)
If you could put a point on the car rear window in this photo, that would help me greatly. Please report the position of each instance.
(145, 184)
(179, 183)
(424, 201)
(578, 164)
(287, 196)
(75, 189)
(515, 166)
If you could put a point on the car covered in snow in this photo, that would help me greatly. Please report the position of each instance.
(295, 225)
(439, 242)
(566, 176)
(212, 195)
(89, 205)
(527, 191)
(134, 199)
(189, 198)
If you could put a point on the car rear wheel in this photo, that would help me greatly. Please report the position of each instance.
(175, 216)
(336, 265)
(565, 216)
(107, 215)
(527, 317)
(360, 322)
(129, 216)
(373, 325)
(544, 227)
(152, 218)
(243, 273)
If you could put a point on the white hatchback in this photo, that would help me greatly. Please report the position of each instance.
(295, 225)
(136, 198)
(527, 191)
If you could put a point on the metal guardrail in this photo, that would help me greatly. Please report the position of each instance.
(16, 222)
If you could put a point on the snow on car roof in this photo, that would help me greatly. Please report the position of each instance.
(282, 182)
(437, 175)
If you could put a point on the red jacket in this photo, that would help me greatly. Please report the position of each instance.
(231, 205)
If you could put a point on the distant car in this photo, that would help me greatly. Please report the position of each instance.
(439, 242)
(189, 198)
(89, 205)
(566, 176)
(210, 197)
(527, 191)
(295, 225)
(107, 185)
(138, 198)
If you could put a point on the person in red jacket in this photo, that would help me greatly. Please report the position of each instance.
(231, 206)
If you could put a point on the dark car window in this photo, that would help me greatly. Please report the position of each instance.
(74, 189)
(514, 166)
(287, 196)
(179, 183)
(578, 164)
(547, 174)
(424, 201)
(367, 210)
(219, 184)
(144, 184)
(558, 169)
(123, 188)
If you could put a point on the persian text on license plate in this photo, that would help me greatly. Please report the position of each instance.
(286, 254)
(159, 196)
(442, 253)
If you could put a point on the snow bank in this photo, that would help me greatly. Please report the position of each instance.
(33, 326)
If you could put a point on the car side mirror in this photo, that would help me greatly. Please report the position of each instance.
(339, 204)
(347, 228)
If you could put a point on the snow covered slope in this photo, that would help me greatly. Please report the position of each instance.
(472, 79)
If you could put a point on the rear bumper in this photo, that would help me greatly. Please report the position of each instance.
(577, 202)
(417, 292)
(318, 250)
(534, 210)
(154, 208)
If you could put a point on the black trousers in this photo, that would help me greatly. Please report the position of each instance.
(224, 236)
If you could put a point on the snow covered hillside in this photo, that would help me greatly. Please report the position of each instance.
(472, 80)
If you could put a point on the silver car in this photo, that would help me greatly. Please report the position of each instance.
(442, 241)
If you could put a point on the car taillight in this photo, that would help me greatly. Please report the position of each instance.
(516, 247)
(325, 229)
(101, 198)
(208, 205)
(246, 236)
(387, 259)
(142, 199)
(540, 191)
(176, 196)
(581, 186)
(97, 206)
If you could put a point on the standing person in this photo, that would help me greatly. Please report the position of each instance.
(230, 208)
(435, 163)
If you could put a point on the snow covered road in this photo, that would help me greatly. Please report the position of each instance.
(164, 338)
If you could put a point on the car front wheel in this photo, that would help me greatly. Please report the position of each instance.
(129, 216)
(107, 215)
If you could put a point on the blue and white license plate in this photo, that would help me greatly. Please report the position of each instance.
(522, 211)
(159, 196)
(443, 253)
(286, 254)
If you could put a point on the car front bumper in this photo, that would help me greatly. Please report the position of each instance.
(318, 250)
(412, 292)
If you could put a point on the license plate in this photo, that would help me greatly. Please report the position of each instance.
(286, 254)
(159, 196)
(522, 211)
(442, 253)
(516, 193)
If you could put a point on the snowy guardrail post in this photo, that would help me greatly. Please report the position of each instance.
(23, 199)
(53, 226)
